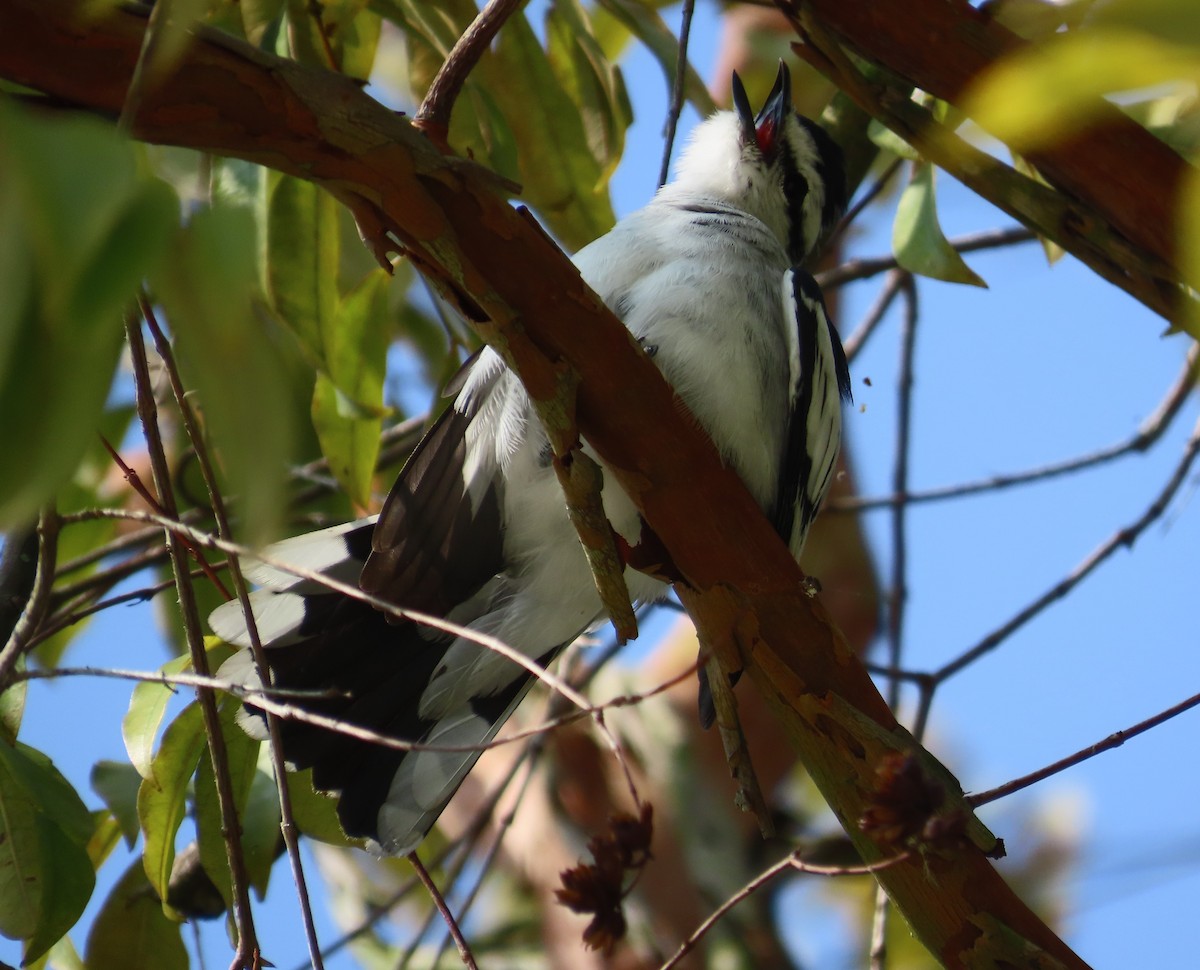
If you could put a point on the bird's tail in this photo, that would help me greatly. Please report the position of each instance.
(366, 673)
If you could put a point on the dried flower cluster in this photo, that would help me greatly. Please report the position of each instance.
(600, 887)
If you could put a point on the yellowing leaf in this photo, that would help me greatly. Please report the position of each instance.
(1050, 90)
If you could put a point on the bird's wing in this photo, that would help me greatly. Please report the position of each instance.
(818, 381)
(440, 537)
(438, 542)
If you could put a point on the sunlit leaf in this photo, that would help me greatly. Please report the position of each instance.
(300, 259)
(347, 407)
(645, 23)
(258, 16)
(591, 81)
(561, 176)
(1171, 20)
(917, 239)
(147, 706)
(883, 136)
(162, 798)
(1045, 92)
(341, 35)
(46, 877)
(131, 931)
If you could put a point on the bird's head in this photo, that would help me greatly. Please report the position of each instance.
(776, 165)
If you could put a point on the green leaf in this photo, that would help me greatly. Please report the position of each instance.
(106, 833)
(645, 23)
(132, 933)
(592, 82)
(561, 175)
(883, 136)
(261, 838)
(917, 239)
(162, 797)
(351, 35)
(347, 407)
(80, 227)
(242, 751)
(300, 259)
(315, 813)
(46, 877)
(147, 705)
(12, 705)
(117, 784)
(235, 357)
(258, 16)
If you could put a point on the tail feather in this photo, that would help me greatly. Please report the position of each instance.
(367, 671)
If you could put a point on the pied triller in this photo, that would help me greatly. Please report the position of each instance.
(708, 278)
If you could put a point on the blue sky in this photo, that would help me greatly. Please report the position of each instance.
(1048, 363)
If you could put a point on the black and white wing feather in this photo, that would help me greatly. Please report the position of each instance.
(437, 547)
(819, 382)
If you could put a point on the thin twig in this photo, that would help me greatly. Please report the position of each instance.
(74, 612)
(861, 269)
(35, 607)
(494, 644)
(135, 482)
(874, 316)
(247, 953)
(1122, 537)
(460, 941)
(101, 581)
(433, 116)
(1151, 430)
(904, 392)
(898, 593)
(864, 200)
(287, 819)
(529, 761)
(1114, 740)
(273, 696)
(18, 574)
(789, 862)
(675, 108)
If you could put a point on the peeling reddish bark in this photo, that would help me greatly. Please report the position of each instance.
(942, 46)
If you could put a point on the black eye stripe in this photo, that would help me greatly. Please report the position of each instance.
(795, 190)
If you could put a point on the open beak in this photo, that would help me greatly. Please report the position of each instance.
(741, 105)
(770, 120)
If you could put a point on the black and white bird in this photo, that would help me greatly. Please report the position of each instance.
(708, 277)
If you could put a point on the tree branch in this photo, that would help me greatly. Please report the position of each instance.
(943, 47)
